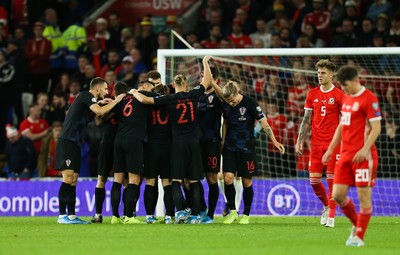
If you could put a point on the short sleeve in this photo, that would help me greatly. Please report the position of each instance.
(373, 109)
(258, 113)
(308, 104)
(87, 98)
(197, 91)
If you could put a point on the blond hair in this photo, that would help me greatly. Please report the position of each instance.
(229, 90)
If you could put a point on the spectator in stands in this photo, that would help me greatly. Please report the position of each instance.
(74, 89)
(102, 34)
(239, 39)
(251, 7)
(274, 90)
(226, 43)
(298, 93)
(337, 11)
(215, 19)
(127, 73)
(79, 74)
(113, 63)
(262, 33)
(379, 7)
(114, 30)
(258, 83)
(313, 33)
(208, 13)
(19, 35)
(274, 25)
(16, 58)
(96, 55)
(47, 155)
(146, 41)
(42, 100)
(130, 43)
(287, 38)
(303, 41)
(126, 33)
(301, 10)
(382, 24)
(377, 40)
(248, 24)
(90, 73)
(395, 28)
(34, 127)
(138, 64)
(111, 79)
(75, 42)
(63, 84)
(214, 39)
(37, 52)
(320, 19)
(53, 33)
(258, 43)
(58, 108)
(7, 75)
(346, 38)
(352, 13)
(20, 154)
(365, 38)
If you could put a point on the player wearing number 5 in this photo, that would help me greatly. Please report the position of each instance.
(186, 160)
(240, 113)
(359, 128)
(322, 115)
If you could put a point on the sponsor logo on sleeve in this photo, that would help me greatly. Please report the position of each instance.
(94, 100)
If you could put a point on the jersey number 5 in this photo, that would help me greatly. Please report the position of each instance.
(323, 110)
(184, 106)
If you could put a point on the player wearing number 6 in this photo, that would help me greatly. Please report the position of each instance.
(359, 128)
(186, 160)
(322, 115)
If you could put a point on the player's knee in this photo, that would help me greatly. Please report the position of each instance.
(228, 178)
(247, 182)
(212, 178)
(315, 180)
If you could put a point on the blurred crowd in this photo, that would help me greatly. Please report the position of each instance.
(47, 57)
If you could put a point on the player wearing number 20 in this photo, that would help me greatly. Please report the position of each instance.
(322, 113)
(358, 130)
(186, 160)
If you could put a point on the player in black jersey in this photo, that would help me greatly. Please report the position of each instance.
(239, 156)
(210, 113)
(128, 150)
(185, 154)
(68, 151)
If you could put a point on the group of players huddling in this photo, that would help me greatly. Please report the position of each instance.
(153, 133)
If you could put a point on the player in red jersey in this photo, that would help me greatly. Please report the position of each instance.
(322, 114)
(357, 132)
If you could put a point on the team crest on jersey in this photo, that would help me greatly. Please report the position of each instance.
(210, 99)
(355, 107)
(242, 110)
(331, 100)
(375, 106)
(94, 100)
(68, 162)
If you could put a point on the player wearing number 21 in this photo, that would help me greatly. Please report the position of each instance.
(357, 132)
(322, 114)
(186, 159)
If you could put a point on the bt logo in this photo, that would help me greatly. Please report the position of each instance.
(283, 200)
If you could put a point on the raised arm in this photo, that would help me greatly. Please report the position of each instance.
(217, 89)
(305, 127)
(101, 110)
(267, 129)
(206, 82)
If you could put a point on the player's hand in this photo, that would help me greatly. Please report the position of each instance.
(298, 148)
(327, 157)
(132, 91)
(360, 156)
(206, 58)
(280, 147)
(137, 95)
(119, 98)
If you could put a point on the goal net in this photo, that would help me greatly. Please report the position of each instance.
(286, 75)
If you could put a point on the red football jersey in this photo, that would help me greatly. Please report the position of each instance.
(357, 109)
(35, 127)
(326, 107)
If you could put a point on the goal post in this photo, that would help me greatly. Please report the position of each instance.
(286, 75)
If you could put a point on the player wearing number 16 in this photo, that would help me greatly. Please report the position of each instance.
(322, 113)
(357, 132)
(186, 160)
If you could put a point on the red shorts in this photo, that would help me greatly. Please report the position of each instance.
(361, 174)
(315, 164)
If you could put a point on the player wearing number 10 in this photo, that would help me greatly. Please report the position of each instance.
(359, 128)
(186, 160)
(322, 113)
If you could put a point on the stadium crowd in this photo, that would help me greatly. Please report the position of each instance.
(45, 61)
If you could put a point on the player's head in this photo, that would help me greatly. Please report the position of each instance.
(146, 86)
(272, 105)
(325, 69)
(347, 76)
(98, 87)
(154, 77)
(180, 82)
(161, 90)
(231, 94)
(235, 82)
(120, 88)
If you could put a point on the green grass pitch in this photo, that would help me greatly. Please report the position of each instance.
(265, 235)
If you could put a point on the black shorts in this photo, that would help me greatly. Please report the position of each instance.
(105, 159)
(128, 155)
(186, 161)
(157, 159)
(211, 154)
(241, 163)
(68, 156)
